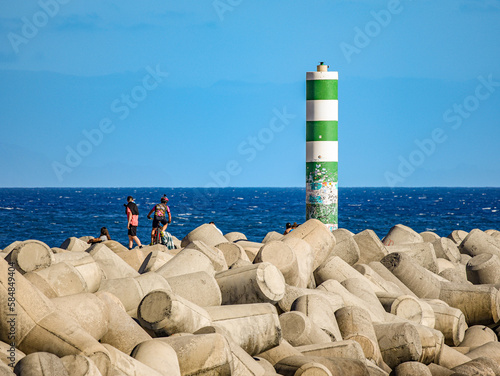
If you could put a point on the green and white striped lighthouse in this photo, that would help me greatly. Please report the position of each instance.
(322, 146)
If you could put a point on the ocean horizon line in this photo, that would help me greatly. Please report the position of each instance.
(253, 187)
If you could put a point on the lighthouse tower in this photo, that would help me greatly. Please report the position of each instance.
(322, 146)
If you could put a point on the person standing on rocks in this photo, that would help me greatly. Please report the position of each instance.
(132, 222)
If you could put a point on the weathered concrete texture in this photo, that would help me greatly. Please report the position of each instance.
(450, 357)
(299, 330)
(303, 365)
(437, 370)
(387, 275)
(345, 247)
(166, 313)
(478, 242)
(414, 310)
(111, 265)
(479, 304)
(337, 269)
(305, 259)
(272, 236)
(232, 252)
(398, 342)
(123, 364)
(282, 256)
(251, 248)
(480, 366)
(447, 249)
(355, 324)
(158, 355)
(59, 279)
(214, 254)
(74, 245)
(370, 247)
(401, 234)
(131, 291)
(253, 327)
(412, 369)
(88, 310)
(199, 288)
(135, 258)
(449, 321)
(486, 268)
(30, 255)
(281, 351)
(422, 254)
(321, 240)
(292, 293)
(40, 363)
(259, 283)
(321, 311)
(349, 298)
(243, 363)
(154, 260)
(340, 349)
(235, 236)
(123, 332)
(457, 236)
(206, 233)
(429, 236)
(80, 365)
(202, 354)
(478, 335)
(489, 349)
(362, 289)
(419, 280)
(40, 327)
(379, 284)
(85, 265)
(114, 246)
(185, 262)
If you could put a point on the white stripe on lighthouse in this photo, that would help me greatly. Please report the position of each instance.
(322, 75)
(322, 151)
(317, 110)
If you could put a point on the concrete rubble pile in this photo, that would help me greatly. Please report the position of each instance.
(311, 302)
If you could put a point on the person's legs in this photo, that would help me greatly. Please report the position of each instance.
(130, 242)
(137, 241)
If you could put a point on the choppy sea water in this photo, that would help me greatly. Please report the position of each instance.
(54, 214)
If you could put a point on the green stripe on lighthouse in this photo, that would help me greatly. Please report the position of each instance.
(322, 131)
(321, 89)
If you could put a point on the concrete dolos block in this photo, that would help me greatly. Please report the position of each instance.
(479, 304)
(202, 354)
(158, 355)
(185, 262)
(199, 288)
(283, 257)
(299, 330)
(419, 280)
(259, 283)
(132, 290)
(30, 255)
(254, 327)
(370, 247)
(166, 313)
(401, 234)
(40, 327)
(207, 233)
(320, 239)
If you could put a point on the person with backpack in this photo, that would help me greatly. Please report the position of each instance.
(161, 211)
(132, 212)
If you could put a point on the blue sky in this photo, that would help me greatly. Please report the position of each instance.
(185, 93)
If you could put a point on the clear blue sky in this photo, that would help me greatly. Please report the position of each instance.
(212, 93)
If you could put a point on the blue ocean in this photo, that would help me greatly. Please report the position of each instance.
(54, 214)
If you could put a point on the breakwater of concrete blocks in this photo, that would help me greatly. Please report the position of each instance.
(311, 302)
